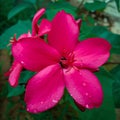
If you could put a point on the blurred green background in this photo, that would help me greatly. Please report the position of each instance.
(100, 18)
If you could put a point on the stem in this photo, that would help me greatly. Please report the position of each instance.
(112, 63)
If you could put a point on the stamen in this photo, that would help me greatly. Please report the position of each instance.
(63, 58)
(67, 59)
(13, 39)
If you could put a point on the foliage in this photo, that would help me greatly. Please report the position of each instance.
(100, 31)
(118, 4)
(18, 29)
(16, 17)
(17, 9)
(107, 106)
(95, 6)
(116, 85)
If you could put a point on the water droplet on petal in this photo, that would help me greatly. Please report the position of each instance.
(28, 109)
(22, 62)
(87, 106)
(84, 84)
(55, 101)
(41, 102)
(86, 94)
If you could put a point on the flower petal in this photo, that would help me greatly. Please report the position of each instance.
(35, 21)
(34, 54)
(45, 27)
(84, 87)
(92, 53)
(45, 89)
(64, 32)
(14, 73)
(79, 21)
(25, 35)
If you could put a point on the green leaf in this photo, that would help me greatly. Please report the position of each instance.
(8, 106)
(4, 91)
(17, 9)
(25, 76)
(51, 13)
(30, 1)
(18, 29)
(118, 4)
(114, 39)
(116, 85)
(53, 8)
(15, 91)
(107, 110)
(85, 31)
(95, 6)
(47, 115)
(60, 4)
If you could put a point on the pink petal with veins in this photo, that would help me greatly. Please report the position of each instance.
(45, 89)
(84, 87)
(79, 22)
(45, 27)
(64, 33)
(25, 35)
(34, 54)
(35, 21)
(14, 73)
(92, 53)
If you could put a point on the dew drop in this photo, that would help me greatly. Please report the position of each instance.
(84, 84)
(41, 102)
(87, 106)
(28, 109)
(86, 94)
(22, 62)
(55, 101)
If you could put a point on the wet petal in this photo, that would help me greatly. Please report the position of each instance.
(92, 53)
(45, 89)
(79, 21)
(14, 73)
(34, 54)
(64, 33)
(35, 21)
(84, 87)
(45, 27)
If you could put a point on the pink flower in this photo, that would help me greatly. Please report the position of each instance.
(62, 62)
(37, 30)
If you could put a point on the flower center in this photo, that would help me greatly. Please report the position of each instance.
(67, 59)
